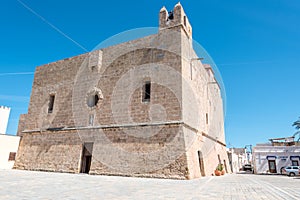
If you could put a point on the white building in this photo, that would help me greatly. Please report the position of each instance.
(273, 157)
(4, 116)
(8, 148)
(237, 158)
(8, 143)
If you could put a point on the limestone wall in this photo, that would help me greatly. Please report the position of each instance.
(113, 152)
(120, 81)
(48, 151)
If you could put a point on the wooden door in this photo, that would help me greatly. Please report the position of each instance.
(272, 166)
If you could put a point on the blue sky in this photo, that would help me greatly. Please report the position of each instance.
(255, 44)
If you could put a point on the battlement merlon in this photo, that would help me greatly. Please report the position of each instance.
(5, 107)
(175, 18)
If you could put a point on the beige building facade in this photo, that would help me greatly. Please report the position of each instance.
(147, 107)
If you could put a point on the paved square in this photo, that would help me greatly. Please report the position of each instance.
(16, 184)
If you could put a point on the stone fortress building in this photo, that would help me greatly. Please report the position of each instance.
(147, 107)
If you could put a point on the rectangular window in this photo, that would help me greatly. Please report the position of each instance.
(12, 156)
(206, 118)
(51, 103)
(91, 120)
(295, 163)
(147, 92)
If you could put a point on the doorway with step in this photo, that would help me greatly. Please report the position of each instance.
(272, 166)
(201, 163)
(86, 159)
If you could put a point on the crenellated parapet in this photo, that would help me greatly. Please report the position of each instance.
(174, 19)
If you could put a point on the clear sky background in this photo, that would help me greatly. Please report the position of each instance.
(255, 44)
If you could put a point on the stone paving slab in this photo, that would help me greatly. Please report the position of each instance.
(17, 184)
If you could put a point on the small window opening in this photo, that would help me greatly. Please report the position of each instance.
(93, 67)
(12, 156)
(51, 103)
(184, 20)
(206, 116)
(92, 100)
(91, 120)
(147, 91)
(295, 163)
(171, 15)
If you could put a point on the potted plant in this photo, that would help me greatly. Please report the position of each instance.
(223, 171)
(219, 169)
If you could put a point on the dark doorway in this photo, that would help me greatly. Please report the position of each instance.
(86, 159)
(225, 165)
(272, 166)
(201, 163)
